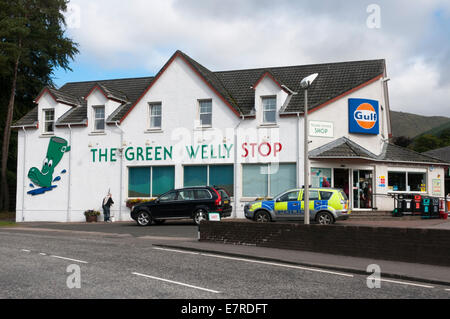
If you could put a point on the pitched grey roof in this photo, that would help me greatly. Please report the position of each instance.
(75, 116)
(440, 153)
(395, 153)
(29, 120)
(235, 87)
(342, 148)
(64, 97)
(346, 148)
(334, 79)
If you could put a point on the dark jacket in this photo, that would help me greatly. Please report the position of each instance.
(108, 203)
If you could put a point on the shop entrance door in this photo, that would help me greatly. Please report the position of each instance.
(342, 180)
(362, 189)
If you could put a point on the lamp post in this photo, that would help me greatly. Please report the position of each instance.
(305, 84)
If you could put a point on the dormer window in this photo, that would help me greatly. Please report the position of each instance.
(49, 121)
(269, 105)
(99, 118)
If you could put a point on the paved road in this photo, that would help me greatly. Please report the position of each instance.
(113, 265)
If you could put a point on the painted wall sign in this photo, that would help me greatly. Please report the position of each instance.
(57, 147)
(162, 153)
(363, 116)
(321, 129)
(265, 149)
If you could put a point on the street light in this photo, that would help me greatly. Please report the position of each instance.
(305, 84)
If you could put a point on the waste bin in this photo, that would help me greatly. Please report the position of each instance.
(426, 207)
(434, 209)
(417, 207)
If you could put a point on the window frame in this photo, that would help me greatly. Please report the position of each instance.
(208, 179)
(151, 180)
(407, 172)
(267, 167)
(200, 113)
(264, 111)
(44, 118)
(95, 108)
(151, 116)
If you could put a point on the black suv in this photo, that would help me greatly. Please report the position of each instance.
(191, 202)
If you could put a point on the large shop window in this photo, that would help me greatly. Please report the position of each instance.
(212, 175)
(263, 180)
(321, 177)
(150, 181)
(407, 181)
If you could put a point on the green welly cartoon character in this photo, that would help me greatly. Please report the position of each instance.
(56, 149)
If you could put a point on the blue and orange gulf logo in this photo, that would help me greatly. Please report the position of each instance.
(363, 116)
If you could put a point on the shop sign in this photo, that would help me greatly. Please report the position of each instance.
(191, 152)
(437, 187)
(363, 116)
(321, 129)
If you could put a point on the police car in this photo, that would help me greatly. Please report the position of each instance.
(326, 206)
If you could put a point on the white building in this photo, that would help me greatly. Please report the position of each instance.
(239, 129)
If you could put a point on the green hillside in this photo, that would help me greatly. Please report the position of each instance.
(412, 125)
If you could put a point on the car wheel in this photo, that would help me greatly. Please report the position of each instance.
(262, 217)
(143, 218)
(200, 215)
(324, 218)
(160, 221)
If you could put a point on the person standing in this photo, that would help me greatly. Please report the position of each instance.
(106, 205)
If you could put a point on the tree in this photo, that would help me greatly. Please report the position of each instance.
(32, 45)
(402, 141)
(426, 143)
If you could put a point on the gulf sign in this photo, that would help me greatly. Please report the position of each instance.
(363, 116)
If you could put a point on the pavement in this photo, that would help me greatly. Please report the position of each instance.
(113, 264)
(183, 235)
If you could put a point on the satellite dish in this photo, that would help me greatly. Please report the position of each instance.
(306, 82)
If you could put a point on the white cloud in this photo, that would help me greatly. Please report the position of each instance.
(243, 34)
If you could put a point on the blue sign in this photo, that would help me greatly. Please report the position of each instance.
(363, 116)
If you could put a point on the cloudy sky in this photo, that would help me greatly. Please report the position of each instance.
(136, 37)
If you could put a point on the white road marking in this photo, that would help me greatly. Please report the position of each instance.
(176, 251)
(406, 283)
(70, 259)
(280, 265)
(42, 254)
(26, 250)
(176, 283)
(447, 289)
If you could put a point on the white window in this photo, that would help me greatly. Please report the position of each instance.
(155, 115)
(99, 118)
(269, 109)
(407, 181)
(205, 113)
(49, 121)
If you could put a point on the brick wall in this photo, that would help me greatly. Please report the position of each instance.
(429, 246)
